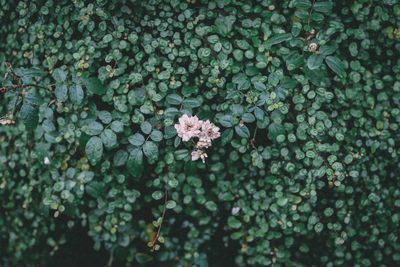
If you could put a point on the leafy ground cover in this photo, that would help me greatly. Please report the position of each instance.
(305, 94)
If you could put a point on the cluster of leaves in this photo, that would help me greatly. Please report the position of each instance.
(306, 93)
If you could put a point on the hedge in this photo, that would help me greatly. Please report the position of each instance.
(306, 96)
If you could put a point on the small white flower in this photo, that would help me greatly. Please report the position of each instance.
(235, 210)
(46, 161)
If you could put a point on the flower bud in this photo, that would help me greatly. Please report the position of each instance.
(313, 47)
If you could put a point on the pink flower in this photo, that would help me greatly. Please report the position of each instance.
(188, 127)
(199, 154)
(203, 143)
(208, 131)
(6, 121)
(205, 131)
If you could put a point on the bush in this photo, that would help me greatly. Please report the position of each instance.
(307, 97)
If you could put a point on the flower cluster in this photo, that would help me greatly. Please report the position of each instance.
(6, 121)
(203, 131)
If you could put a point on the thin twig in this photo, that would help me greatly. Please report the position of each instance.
(253, 140)
(111, 258)
(154, 242)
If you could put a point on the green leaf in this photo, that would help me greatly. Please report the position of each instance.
(117, 126)
(225, 24)
(156, 135)
(336, 65)
(59, 186)
(259, 86)
(94, 150)
(164, 75)
(277, 39)
(282, 201)
(137, 139)
(188, 90)
(29, 112)
(95, 86)
(136, 155)
(302, 4)
(242, 131)
(76, 94)
(170, 204)
(109, 138)
(169, 132)
(104, 116)
(95, 189)
(294, 60)
(146, 127)
(234, 223)
(191, 103)
(26, 74)
(318, 77)
(181, 154)
(327, 50)
(226, 121)
(275, 129)
(248, 118)
(29, 115)
(32, 98)
(120, 158)
(93, 128)
(150, 149)
(211, 206)
(226, 136)
(157, 195)
(135, 162)
(59, 75)
(259, 113)
(142, 258)
(323, 6)
(174, 99)
(61, 92)
(314, 61)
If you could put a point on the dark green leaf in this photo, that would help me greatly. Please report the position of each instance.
(225, 24)
(29, 114)
(146, 127)
(174, 99)
(93, 128)
(61, 92)
(314, 61)
(150, 149)
(94, 150)
(323, 6)
(59, 75)
(137, 139)
(109, 138)
(336, 65)
(27, 74)
(277, 39)
(76, 94)
(302, 4)
(156, 135)
(242, 131)
(95, 86)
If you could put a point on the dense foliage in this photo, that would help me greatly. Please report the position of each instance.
(306, 94)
